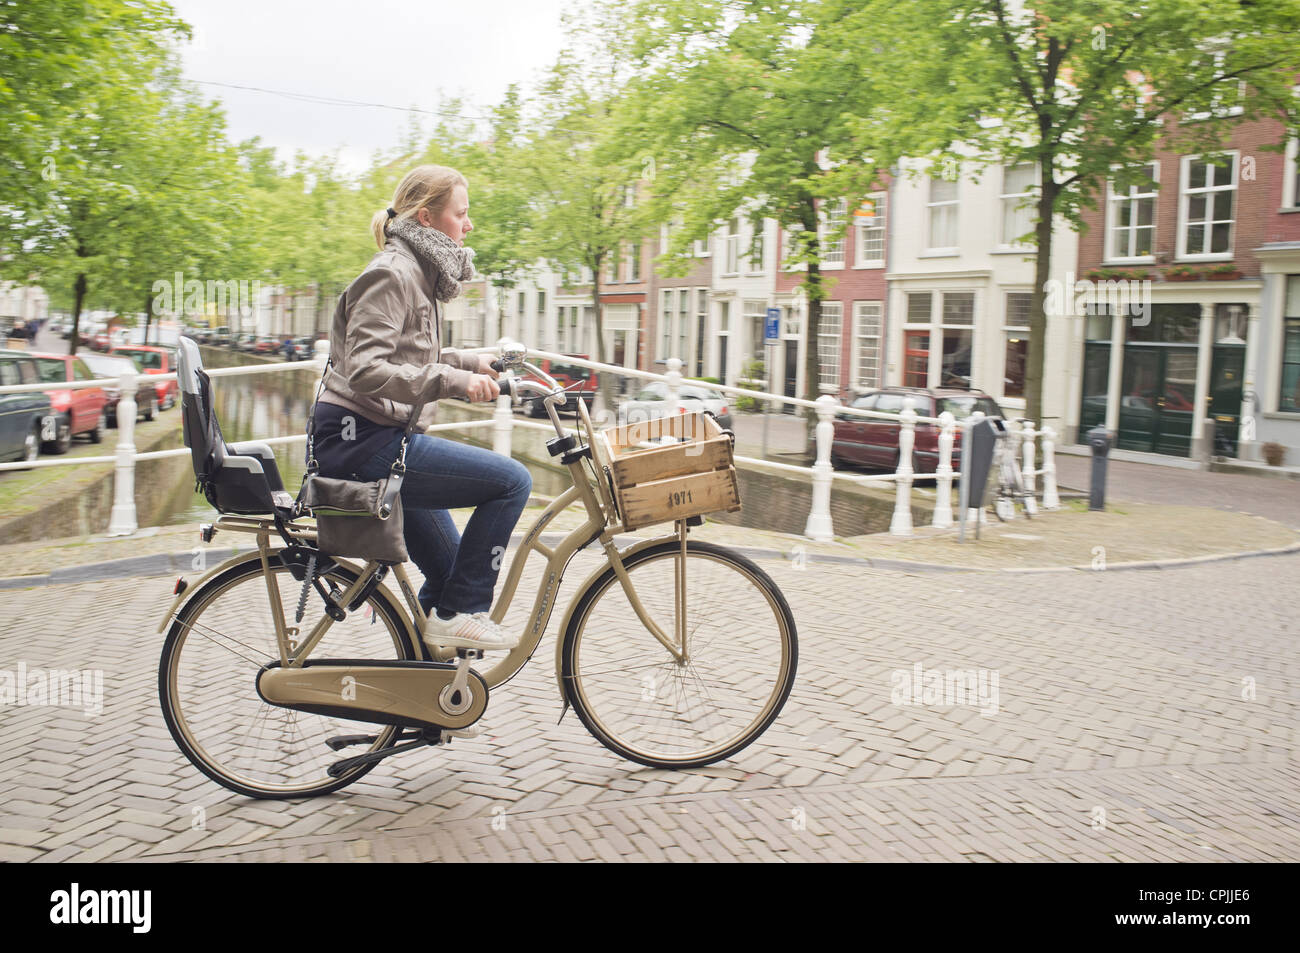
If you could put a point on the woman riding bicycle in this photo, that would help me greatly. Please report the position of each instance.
(385, 341)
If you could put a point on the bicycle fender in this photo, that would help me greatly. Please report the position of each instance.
(586, 584)
(198, 583)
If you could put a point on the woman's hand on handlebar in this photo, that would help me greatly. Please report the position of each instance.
(482, 388)
(487, 365)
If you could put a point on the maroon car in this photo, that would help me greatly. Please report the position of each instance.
(873, 442)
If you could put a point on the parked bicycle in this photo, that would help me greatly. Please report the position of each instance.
(1009, 491)
(674, 652)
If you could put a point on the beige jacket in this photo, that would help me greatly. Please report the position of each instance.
(385, 340)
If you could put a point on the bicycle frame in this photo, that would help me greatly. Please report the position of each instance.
(597, 501)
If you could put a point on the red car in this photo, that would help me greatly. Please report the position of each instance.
(567, 376)
(873, 441)
(154, 360)
(79, 411)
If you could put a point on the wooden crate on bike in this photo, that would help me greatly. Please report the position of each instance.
(669, 468)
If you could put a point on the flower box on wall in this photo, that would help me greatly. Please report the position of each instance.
(1222, 274)
(1182, 273)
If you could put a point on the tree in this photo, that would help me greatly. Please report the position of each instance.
(49, 53)
(743, 101)
(1077, 87)
(578, 172)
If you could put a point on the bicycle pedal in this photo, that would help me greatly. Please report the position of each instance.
(469, 731)
(469, 653)
(338, 742)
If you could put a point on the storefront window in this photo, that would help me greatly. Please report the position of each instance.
(1290, 398)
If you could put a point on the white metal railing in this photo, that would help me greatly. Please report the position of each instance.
(502, 423)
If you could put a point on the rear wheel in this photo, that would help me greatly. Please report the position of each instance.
(218, 642)
(151, 405)
(63, 438)
(101, 425)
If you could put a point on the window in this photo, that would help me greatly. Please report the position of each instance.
(1017, 352)
(1290, 401)
(701, 319)
(1019, 193)
(1131, 214)
(828, 346)
(870, 219)
(942, 209)
(611, 267)
(665, 323)
(916, 359)
(958, 337)
(634, 262)
(918, 308)
(702, 248)
(756, 252)
(1291, 175)
(684, 328)
(731, 248)
(866, 344)
(1207, 205)
(792, 250)
(832, 238)
(541, 303)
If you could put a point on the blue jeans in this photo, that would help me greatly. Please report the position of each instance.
(460, 574)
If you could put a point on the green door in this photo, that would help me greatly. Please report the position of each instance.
(1227, 369)
(1156, 399)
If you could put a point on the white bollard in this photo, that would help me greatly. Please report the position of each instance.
(1027, 434)
(122, 520)
(819, 518)
(1051, 499)
(943, 472)
(674, 375)
(901, 525)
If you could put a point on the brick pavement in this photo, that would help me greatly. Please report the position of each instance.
(1140, 716)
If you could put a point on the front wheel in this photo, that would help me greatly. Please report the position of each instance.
(647, 705)
(217, 643)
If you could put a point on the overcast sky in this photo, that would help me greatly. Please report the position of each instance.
(396, 52)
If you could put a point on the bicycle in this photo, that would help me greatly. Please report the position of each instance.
(674, 652)
(1010, 489)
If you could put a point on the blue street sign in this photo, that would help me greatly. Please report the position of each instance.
(772, 326)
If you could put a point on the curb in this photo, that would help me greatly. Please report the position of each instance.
(166, 563)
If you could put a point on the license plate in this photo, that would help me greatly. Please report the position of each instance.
(49, 428)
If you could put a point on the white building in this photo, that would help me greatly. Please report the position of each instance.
(960, 274)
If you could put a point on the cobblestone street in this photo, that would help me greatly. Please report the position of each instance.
(1131, 715)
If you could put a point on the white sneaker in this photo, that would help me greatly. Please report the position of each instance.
(472, 631)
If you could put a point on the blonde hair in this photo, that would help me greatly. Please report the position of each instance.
(425, 186)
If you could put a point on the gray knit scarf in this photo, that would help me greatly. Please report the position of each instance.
(449, 262)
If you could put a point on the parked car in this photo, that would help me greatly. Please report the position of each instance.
(27, 418)
(298, 349)
(154, 360)
(567, 375)
(652, 401)
(109, 365)
(80, 410)
(243, 342)
(873, 442)
(220, 337)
